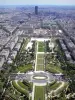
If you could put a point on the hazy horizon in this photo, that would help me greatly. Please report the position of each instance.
(38, 2)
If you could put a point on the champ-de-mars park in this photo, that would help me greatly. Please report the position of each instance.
(38, 71)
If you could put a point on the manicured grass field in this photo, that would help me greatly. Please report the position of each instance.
(39, 93)
(63, 88)
(55, 86)
(52, 64)
(40, 62)
(41, 46)
(40, 68)
(22, 85)
(25, 68)
(20, 89)
(40, 56)
(53, 69)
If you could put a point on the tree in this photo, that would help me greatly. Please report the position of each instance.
(1, 87)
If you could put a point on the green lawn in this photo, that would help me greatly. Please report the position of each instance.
(53, 69)
(39, 93)
(25, 68)
(22, 85)
(40, 62)
(53, 65)
(40, 56)
(63, 88)
(40, 49)
(55, 86)
(41, 46)
(20, 89)
(40, 67)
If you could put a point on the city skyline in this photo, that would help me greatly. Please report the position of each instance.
(35, 2)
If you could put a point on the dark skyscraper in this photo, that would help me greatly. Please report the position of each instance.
(36, 10)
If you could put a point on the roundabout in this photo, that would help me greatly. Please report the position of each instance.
(36, 77)
(40, 77)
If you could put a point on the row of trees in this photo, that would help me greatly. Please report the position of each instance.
(25, 57)
(68, 69)
(22, 58)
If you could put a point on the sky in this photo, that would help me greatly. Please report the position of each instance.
(37, 2)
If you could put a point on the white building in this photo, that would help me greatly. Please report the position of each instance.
(10, 45)
(5, 53)
(17, 47)
(68, 56)
(13, 54)
(9, 61)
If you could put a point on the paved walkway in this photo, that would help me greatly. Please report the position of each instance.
(62, 85)
(35, 71)
(36, 56)
(33, 91)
